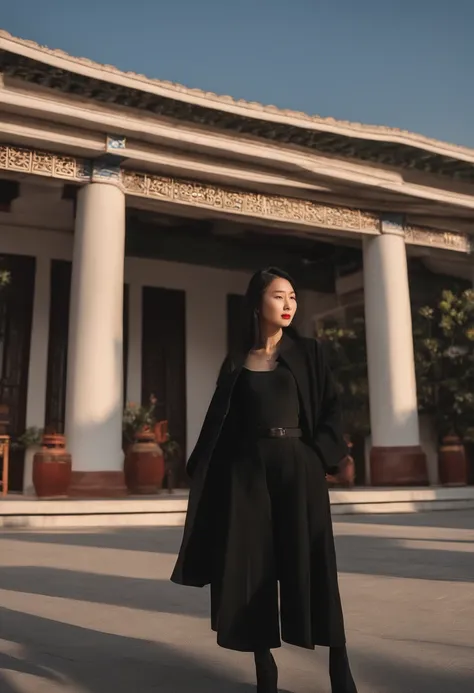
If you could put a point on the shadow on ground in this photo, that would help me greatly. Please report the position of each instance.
(96, 662)
(386, 557)
(15, 664)
(167, 539)
(104, 663)
(135, 593)
(449, 519)
(356, 554)
(385, 674)
(156, 539)
(364, 555)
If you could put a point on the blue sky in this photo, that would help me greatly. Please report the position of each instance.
(403, 63)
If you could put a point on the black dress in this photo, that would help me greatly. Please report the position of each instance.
(272, 474)
(259, 510)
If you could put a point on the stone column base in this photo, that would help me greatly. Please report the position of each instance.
(98, 485)
(398, 466)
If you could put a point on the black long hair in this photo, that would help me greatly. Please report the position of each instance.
(249, 319)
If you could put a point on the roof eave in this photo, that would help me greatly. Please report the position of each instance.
(227, 104)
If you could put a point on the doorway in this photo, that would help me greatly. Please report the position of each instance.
(164, 363)
(16, 312)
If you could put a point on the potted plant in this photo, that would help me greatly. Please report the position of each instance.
(144, 465)
(137, 417)
(30, 441)
(348, 362)
(444, 357)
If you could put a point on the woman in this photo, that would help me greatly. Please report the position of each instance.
(258, 513)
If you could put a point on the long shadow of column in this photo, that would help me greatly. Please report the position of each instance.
(397, 675)
(105, 663)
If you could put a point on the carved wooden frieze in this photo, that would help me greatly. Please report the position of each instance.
(248, 203)
(448, 240)
(214, 197)
(24, 160)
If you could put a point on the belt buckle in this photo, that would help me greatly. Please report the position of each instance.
(278, 432)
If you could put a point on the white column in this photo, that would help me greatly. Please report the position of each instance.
(38, 365)
(95, 377)
(134, 366)
(396, 454)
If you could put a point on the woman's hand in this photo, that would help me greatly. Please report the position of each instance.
(345, 475)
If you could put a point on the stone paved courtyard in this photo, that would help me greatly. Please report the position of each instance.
(92, 611)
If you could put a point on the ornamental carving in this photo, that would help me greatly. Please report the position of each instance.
(197, 194)
(254, 205)
(19, 159)
(316, 214)
(346, 218)
(65, 167)
(208, 196)
(158, 187)
(42, 163)
(419, 235)
(23, 160)
(247, 203)
(233, 202)
(115, 142)
(136, 182)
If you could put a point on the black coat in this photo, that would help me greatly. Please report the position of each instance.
(228, 526)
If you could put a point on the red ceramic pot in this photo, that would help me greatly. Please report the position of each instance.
(52, 468)
(452, 462)
(145, 465)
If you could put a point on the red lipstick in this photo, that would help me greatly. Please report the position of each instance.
(286, 316)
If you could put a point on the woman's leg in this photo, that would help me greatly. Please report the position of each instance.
(340, 671)
(267, 672)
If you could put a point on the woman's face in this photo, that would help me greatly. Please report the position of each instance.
(278, 303)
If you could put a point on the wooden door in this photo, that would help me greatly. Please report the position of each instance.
(16, 311)
(164, 362)
(58, 344)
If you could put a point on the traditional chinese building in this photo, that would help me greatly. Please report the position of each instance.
(131, 214)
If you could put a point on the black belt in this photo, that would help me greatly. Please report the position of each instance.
(279, 433)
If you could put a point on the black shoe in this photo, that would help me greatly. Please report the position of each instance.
(340, 671)
(267, 672)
